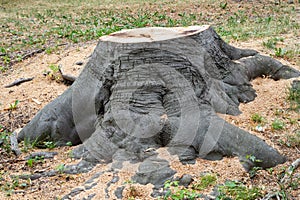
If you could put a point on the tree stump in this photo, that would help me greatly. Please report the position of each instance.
(151, 88)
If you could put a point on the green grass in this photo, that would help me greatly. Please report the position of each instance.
(5, 141)
(205, 181)
(257, 118)
(238, 191)
(293, 96)
(278, 124)
(31, 25)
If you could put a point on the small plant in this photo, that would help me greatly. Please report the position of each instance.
(293, 140)
(54, 68)
(280, 52)
(278, 124)
(252, 158)
(49, 144)
(60, 168)
(14, 105)
(238, 191)
(5, 140)
(175, 192)
(28, 144)
(132, 190)
(205, 181)
(271, 43)
(30, 162)
(293, 96)
(253, 171)
(9, 186)
(257, 118)
(223, 5)
(69, 144)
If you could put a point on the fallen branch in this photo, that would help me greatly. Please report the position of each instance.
(290, 170)
(19, 81)
(14, 144)
(32, 53)
(286, 177)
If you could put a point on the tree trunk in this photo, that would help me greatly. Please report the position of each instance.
(151, 88)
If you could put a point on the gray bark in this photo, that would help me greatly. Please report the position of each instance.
(160, 87)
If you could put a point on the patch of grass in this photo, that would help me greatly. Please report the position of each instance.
(257, 118)
(271, 43)
(280, 52)
(277, 124)
(9, 186)
(5, 140)
(60, 168)
(238, 191)
(32, 161)
(205, 181)
(14, 105)
(293, 140)
(49, 144)
(174, 191)
(34, 25)
(293, 96)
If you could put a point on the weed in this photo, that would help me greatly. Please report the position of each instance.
(49, 144)
(252, 158)
(236, 190)
(205, 181)
(253, 171)
(5, 140)
(28, 144)
(14, 105)
(293, 96)
(257, 118)
(60, 168)
(9, 186)
(54, 68)
(271, 43)
(223, 5)
(278, 124)
(293, 140)
(280, 52)
(38, 159)
(69, 144)
(177, 193)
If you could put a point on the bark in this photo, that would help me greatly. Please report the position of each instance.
(149, 88)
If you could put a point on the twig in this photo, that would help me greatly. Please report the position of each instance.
(19, 81)
(41, 154)
(14, 144)
(66, 77)
(32, 53)
(287, 175)
(13, 161)
(290, 170)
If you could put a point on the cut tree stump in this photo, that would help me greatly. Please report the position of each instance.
(152, 88)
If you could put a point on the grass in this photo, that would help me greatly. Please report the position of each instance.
(257, 118)
(205, 181)
(278, 124)
(32, 25)
(293, 96)
(176, 192)
(5, 141)
(238, 191)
